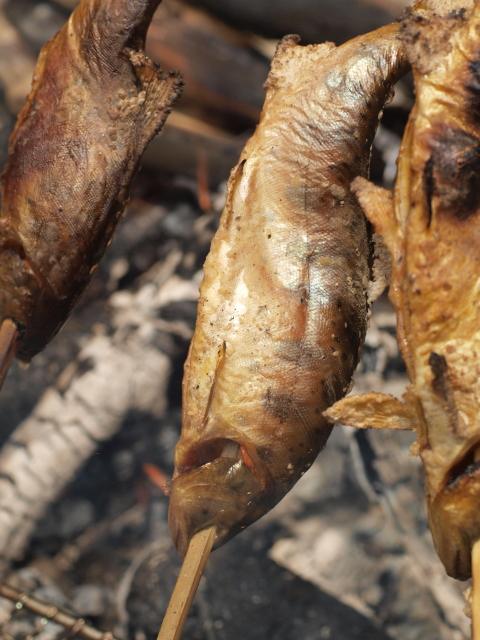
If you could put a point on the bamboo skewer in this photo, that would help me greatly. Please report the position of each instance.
(476, 578)
(476, 591)
(187, 583)
(8, 337)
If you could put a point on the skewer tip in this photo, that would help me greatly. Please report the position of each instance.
(475, 593)
(8, 339)
(187, 583)
(475, 597)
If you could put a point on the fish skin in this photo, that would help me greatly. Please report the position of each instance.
(283, 305)
(433, 233)
(95, 103)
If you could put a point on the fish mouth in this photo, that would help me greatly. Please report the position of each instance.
(455, 515)
(224, 491)
(469, 457)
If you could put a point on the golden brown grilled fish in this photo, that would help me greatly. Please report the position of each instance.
(95, 103)
(284, 302)
(433, 233)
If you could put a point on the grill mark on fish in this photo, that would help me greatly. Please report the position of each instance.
(429, 185)
(453, 171)
(442, 386)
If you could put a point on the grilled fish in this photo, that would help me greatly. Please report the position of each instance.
(95, 103)
(288, 283)
(432, 229)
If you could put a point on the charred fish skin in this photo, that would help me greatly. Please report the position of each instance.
(95, 103)
(283, 305)
(444, 270)
(433, 234)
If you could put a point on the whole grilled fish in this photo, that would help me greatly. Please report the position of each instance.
(432, 229)
(288, 283)
(95, 103)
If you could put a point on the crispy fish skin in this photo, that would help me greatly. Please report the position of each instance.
(433, 233)
(283, 305)
(95, 103)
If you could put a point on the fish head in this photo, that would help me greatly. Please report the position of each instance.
(224, 492)
(455, 518)
(450, 400)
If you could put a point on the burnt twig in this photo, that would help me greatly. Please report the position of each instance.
(76, 626)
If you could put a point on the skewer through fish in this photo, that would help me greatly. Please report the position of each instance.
(287, 289)
(95, 103)
(432, 229)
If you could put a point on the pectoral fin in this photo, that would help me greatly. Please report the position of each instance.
(377, 204)
(372, 410)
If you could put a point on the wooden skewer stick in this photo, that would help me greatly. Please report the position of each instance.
(476, 578)
(8, 337)
(476, 591)
(187, 583)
